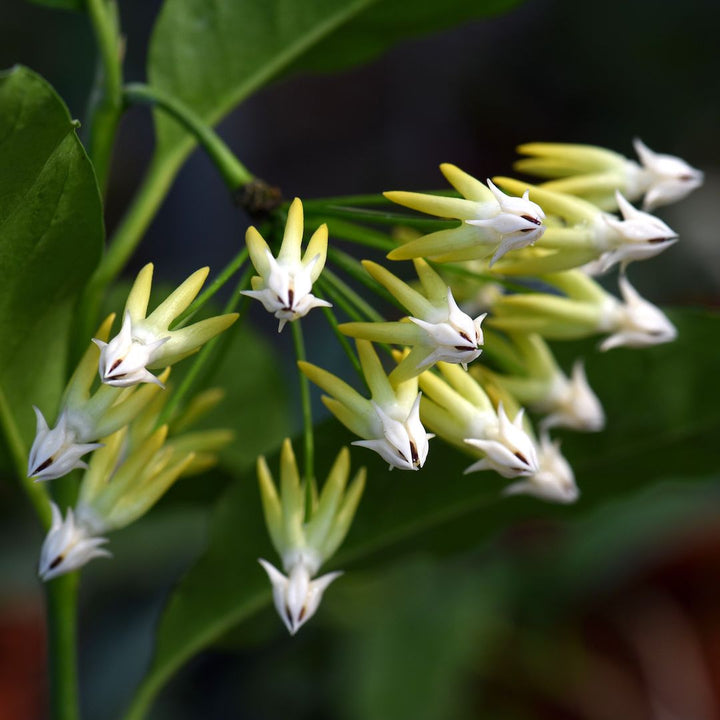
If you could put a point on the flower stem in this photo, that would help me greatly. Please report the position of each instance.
(204, 356)
(351, 296)
(61, 599)
(353, 233)
(347, 200)
(337, 299)
(105, 105)
(383, 217)
(308, 437)
(233, 172)
(342, 339)
(228, 271)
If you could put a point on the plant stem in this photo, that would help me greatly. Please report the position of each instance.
(347, 200)
(383, 217)
(342, 339)
(308, 437)
(353, 233)
(329, 289)
(228, 271)
(61, 603)
(233, 172)
(105, 105)
(204, 356)
(344, 289)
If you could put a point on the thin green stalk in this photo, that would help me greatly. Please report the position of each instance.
(228, 271)
(106, 99)
(308, 435)
(233, 172)
(342, 339)
(356, 271)
(352, 232)
(344, 289)
(336, 298)
(347, 200)
(484, 277)
(36, 492)
(61, 603)
(204, 356)
(383, 217)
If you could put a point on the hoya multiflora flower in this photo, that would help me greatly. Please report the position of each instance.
(579, 232)
(585, 309)
(389, 422)
(595, 173)
(84, 417)
(437, 329)
(145, 341)
(542, 386)
(125, 477)
(283, 284)
(459, 410)
(305, 537)
(493, 223)
(554, 480)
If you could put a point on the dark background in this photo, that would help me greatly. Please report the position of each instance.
(556, 70)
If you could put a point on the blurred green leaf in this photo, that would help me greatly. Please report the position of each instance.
(51, 239)
(664, 415)
(61, 4)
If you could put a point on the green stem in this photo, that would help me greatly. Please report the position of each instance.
(204, 356)
(342, 339)
(387, 218)
(483, 277)
(356, 271)
(353, 233)
(344, 289)
(106, 100)
(308, 437)
(36, 492)
(347, 200)
(228, 271)
(336, 298)
(233, 172)
(61, 600)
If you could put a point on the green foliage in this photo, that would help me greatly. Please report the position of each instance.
(441, 510)
(78, 5)
(52, 233)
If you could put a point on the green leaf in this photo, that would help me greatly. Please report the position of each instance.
(51, 233)
(664, 415)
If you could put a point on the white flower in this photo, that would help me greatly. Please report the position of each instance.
(55, 452)
(666, 178)
(508, 449)
(637, 236)
(518, 221)
(283, 285)
(67, 546)
(554, 480)
(297, 596)
(454, 338)
(637, 322)
(573, 404)
(124, 360)
(403, 442)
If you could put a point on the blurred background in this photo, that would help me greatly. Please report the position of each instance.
(602, 614)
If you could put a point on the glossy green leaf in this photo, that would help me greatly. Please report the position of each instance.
(51, 233)
(664, 412)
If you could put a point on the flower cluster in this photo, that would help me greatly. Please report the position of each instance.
(136, 458)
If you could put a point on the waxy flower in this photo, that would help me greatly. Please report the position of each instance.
(68, 545)
(554, 480)
(84, 418)
(585, 310)
(595, 173)
(283, 285)
(582, 233)
(493, 223)
(305, 540)
(145, 341)
(543, 387)
(389, 422)
(437, 330)
(457, 408)
(124, 478)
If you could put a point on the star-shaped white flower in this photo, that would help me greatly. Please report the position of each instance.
(68, 546)
(508, 449)
(283, 285)
(573, 404)
(56, 451)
